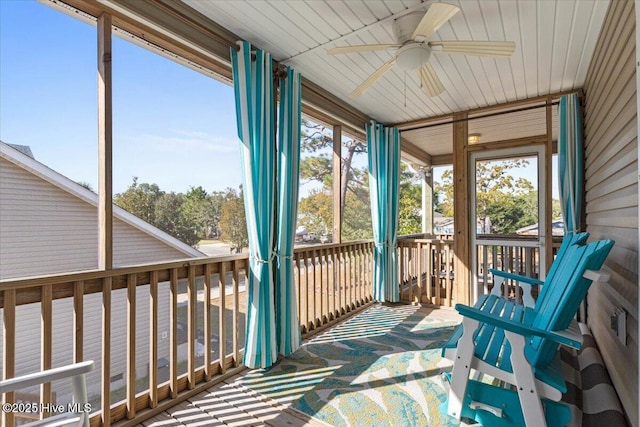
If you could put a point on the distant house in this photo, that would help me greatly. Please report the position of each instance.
(444, 224)
(48, 225)
(557, 228)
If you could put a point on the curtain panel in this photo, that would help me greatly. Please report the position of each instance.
(570, 162)
(270, 206)
(383, 146)
(255, 115)
(289, 123)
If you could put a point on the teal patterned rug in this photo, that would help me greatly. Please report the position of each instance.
(379, 368)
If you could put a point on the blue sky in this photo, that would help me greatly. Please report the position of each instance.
(172, 126)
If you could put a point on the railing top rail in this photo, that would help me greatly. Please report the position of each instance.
(28, 282)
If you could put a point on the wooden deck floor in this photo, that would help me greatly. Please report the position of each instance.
(231, 405)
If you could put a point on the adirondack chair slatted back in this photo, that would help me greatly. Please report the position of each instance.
(570, 239)
(565, 295)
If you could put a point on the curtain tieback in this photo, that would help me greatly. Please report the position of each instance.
(263, 261)
(386, 245)
(285, 256)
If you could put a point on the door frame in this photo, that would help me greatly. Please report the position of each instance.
(538, 150)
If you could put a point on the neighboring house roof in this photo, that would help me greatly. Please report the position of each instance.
(23, 158)
(557, 228)
(24, 149)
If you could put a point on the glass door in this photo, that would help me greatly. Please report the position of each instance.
(507, 220)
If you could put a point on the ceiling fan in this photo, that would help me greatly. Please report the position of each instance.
(413, 49)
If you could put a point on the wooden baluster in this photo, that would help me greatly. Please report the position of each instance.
(173, 335)
(106, 351)
(78, 321)
(9, 350)
(191, 327)
(208, 372)
(222, 279)
(46, 342)
(131, 345)
(449, 284)
(236, 313)
(440, 280)
(153, 339)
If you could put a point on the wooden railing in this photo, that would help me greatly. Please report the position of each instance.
(514, 254)
(156, 331)
(426, 270)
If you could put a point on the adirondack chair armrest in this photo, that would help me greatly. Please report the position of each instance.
(517, 327)
(47, 376)
(516, 277)
(597, 276)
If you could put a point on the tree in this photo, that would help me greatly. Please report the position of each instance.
(503, 203)
(203, 210)
(315, 212)
(170, 218)
(233, 224)
(140, 200)
(316, 139)
(409, 202)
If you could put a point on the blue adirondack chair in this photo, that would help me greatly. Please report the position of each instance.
(518, 346)
(527, 283)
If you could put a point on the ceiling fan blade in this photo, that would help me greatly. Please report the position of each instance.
(477, 48)
(361, 48)
(372, 78)
(436, 16)
(431, 83)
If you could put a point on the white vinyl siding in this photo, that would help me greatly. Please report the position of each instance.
(611, 146)
(46, 230)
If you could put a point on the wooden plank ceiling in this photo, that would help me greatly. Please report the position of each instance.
(554, 43)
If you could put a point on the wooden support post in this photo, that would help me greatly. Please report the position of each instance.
(548, 181)
(337, 180)
(461, 209)
(427, 201)
(105, 189)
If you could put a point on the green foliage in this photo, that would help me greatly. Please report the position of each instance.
(233, 224)
(170, 218)
(140, 200)
(187, 217)
(315, 212)
(409, 202)
(507, 202)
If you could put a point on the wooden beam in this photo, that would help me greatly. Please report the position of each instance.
(414, 153)
(442, 160)
(445, 118)
(508, 143)
(461, 209)
(337, 184)
(105, 148)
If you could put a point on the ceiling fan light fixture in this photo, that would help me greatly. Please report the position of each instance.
(413, 56)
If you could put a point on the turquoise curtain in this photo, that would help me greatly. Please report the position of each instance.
(383, 146)
(570, 161)
(288, 331)
(255, 115)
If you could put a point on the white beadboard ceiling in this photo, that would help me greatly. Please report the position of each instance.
(554, 44)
